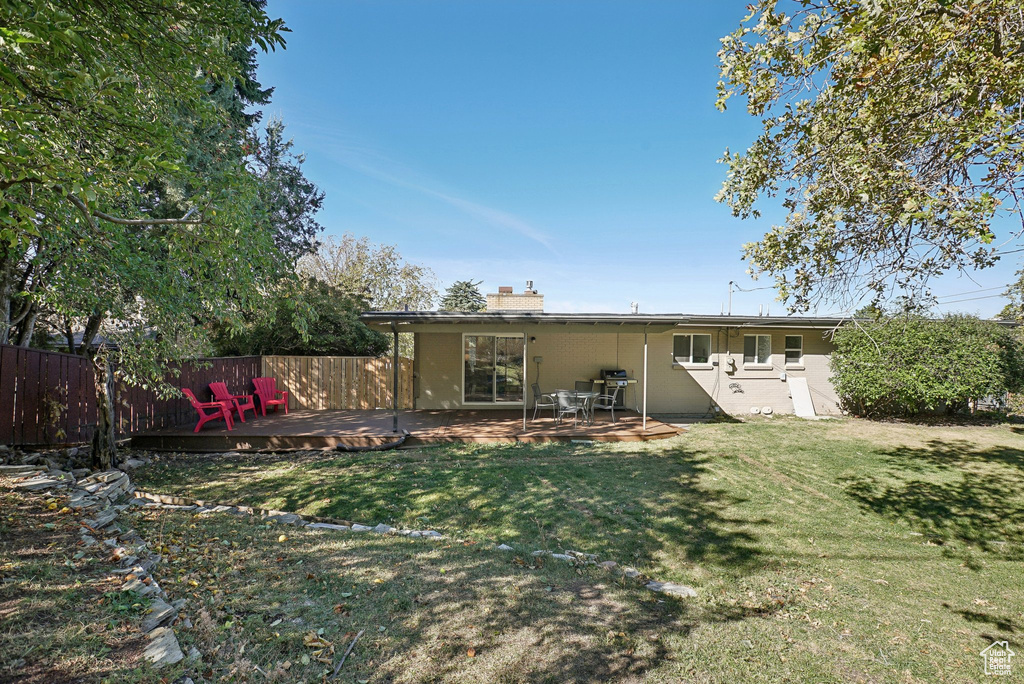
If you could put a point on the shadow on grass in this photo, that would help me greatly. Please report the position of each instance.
(633, 507)
(1003, 624)
(952, 491)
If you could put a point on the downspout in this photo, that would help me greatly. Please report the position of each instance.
(394, 392)
(645, 377)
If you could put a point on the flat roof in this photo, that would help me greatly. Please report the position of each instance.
(525, 317)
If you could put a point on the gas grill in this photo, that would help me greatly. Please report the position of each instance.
(616, 378)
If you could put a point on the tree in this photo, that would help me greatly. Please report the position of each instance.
(306, 318)
(893, 132)
(908, 364)
(378, 273)
(463, 295)
(126, 201)
(1014, 310)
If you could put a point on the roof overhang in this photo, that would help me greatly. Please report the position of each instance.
(665, 321)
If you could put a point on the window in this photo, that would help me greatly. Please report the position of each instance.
(688, 349)
(493, 369)
(757, 350)
(794, 350)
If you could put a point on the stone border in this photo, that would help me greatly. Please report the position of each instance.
(199, 507)
(103, 496)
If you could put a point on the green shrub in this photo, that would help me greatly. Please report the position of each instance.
(906, 365)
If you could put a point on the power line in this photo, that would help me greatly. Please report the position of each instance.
(961, 294)
(970, 299)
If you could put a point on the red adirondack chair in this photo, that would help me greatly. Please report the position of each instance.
(240, 403)
(219, 409)
(266, 390)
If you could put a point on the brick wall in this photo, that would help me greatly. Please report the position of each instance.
(571, 353)
(527, 301)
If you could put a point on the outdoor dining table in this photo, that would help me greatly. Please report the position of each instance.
(581, 399)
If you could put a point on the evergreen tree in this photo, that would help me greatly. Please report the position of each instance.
(463, 295)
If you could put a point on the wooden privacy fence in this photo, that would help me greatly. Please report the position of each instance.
(50, 398)
(341, 382)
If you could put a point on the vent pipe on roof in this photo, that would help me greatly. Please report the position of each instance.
(634, 307)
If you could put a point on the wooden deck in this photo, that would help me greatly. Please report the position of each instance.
(304, 429)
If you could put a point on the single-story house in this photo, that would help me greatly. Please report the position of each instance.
(675, 363)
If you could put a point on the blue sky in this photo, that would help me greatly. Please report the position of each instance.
(572, 143)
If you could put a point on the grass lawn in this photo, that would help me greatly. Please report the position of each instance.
(820, 551)
(63, 617)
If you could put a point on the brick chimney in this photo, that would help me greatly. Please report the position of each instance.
(507, 300)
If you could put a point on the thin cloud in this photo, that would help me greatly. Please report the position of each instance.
(363, 159)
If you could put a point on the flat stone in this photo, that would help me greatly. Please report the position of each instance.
(671, 589)
(132, 463)
(608, 565)
(193, 653)
(141, 588)
(328, 526)
(19, 469)
(541, 552)
(163, 648)
(563, 556)
(88, 540)
(631, 573)
(102, 519)
(361, 528)
(223, 509)
(432, 533)
(177, 507)
(41, 482)
(160, 613)
(383, 529)
(285, 518)
(503, 547)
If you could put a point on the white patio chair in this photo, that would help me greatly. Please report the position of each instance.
(543, 401)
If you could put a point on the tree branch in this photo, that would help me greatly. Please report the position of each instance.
(84, 208)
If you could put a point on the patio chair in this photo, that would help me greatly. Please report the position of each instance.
(543, 401)
(218, 409)
(606, 402)
(267, 392)
(240, 403)
(584, 388)
(568, 404)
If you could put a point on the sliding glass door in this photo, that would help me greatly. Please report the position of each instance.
(494, 369)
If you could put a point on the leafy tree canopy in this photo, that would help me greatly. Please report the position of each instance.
(892, 130)
(905, 365)
(463, 295)
(377, 273)
(306, 318)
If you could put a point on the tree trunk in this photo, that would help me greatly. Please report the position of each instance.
(92, 327)
(27, 328)
(104, 445)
